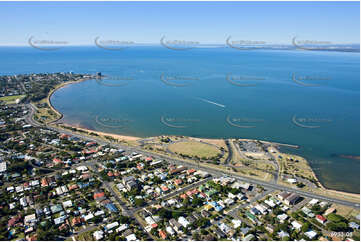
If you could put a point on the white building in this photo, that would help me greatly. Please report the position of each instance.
(3, 167)
(183, 221)
(98, 235)
(296, 225)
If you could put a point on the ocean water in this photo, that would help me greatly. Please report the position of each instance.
(307, 98)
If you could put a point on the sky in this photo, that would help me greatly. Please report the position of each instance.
(79, 23)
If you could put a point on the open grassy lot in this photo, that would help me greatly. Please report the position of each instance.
(345, 211)
(194, 148)
(87, 236)
(293, 165)
(11, 99)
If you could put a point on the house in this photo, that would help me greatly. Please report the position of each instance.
(354, 225)
(162, 234)
(170, 230)
(321, 219)
(205, 213)
(99, 213)
(183, 221)
(311, 234)
(236, 223)
(164, 189)
(255, 211)
(296, 225)
(111, 226)
(282, 217)
(76, 221)
(191, 219)
(219, 233)
(283, 234)
(308, 212)
(249, 237)
(14, 220)
(329, 211)
(111, 207)
(67, 204)
(131, 237)
(261, 208)
(283, 195)
(292, 199)
(251, 217)
(149, 220)
(292, 180)
(59, 191)
(270, 203)
(30, 219)
(56, 208)
(59, 220)
(176, 225)
(3, 167)
(57, 161)
(122, 228)
(88, 216)
(191, 171)
(225, 229)
(98, 235)
(98, 195)
(270, 228)
(130, 182)
(178, 182)
(313, 202)
(177, 170)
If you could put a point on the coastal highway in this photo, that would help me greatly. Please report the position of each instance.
(213, 171)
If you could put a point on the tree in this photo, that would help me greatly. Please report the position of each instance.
(305, 227)
(196, 236)
(139, 202)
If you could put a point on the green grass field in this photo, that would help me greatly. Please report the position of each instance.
(11, 99)
(194, 148)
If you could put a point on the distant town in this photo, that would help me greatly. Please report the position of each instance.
(68, 183)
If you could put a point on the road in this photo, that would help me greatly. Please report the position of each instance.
(230, 152)
(234, 212)
(213, 171)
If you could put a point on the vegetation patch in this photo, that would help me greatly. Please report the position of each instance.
(195, 149)
(11, 99)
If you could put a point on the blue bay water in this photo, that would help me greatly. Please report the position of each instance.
(264, 103)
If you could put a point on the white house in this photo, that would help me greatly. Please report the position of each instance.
(98, 235)
(183, 221)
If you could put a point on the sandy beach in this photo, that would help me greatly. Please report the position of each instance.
(114, 136)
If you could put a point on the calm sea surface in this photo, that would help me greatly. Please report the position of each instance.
(311, 99)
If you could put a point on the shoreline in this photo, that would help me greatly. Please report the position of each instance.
(134, 138)
(48, 101)
(127, 138)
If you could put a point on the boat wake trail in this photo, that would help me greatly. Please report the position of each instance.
(207, 101)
